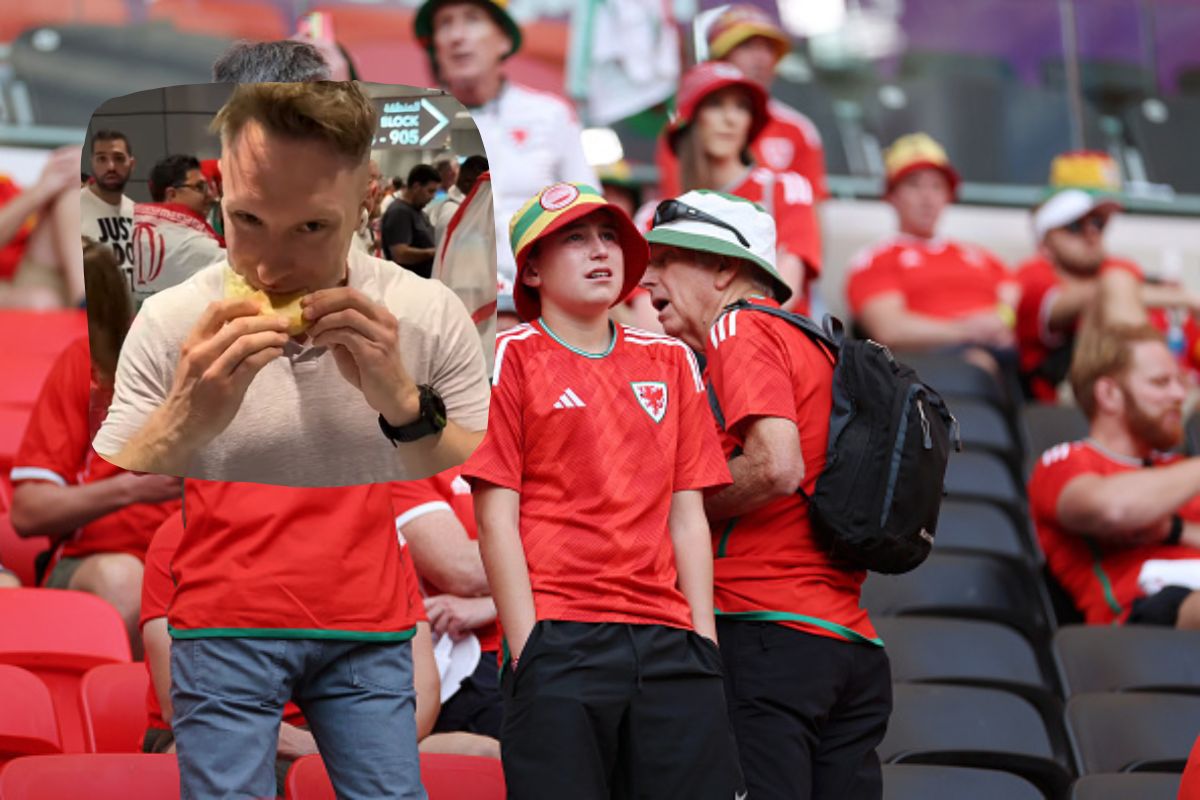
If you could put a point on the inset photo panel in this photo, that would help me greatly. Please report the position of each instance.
(288, 283)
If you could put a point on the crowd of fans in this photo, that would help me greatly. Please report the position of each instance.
(1117, 513)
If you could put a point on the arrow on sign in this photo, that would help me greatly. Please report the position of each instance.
(440, 121)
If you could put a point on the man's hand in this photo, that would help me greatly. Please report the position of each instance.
(143, 488)
(364, 338)
(60, 172)
(459, 616)
(987, 328)
(218, 361)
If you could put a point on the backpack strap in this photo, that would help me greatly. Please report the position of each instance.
(829, 337)
(715, 405)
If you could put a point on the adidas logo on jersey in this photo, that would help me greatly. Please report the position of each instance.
(569, 399)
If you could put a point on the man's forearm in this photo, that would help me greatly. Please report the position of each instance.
(406, 254)
(14, 213)
(432, 454)
(47, 509)
(754, 486)
(1138, 499)
(161, 445)
(904, 329)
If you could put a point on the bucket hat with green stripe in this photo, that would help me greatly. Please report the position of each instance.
(560, 204)
(716, 222)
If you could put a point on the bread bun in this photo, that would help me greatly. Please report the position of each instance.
(280, 305)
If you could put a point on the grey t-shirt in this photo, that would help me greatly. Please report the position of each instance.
(403, 224)
(301, 423)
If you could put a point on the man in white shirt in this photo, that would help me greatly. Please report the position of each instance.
(387, 380)
(468, 173)
(172, 239)
(106, 213)
(532, 138)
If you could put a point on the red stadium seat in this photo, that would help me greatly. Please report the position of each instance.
(18, 554)
(59, 635)
(13, 420)
(41, 332)
(19, 17)
(96, 776)
(445, 777)
(27, 725)
(112, 702)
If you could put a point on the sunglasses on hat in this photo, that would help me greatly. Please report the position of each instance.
(673, 211)
(1096, 221)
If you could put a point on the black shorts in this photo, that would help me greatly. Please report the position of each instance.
(603, 710)
(1160, 608)
(477, 706)
(808, 711)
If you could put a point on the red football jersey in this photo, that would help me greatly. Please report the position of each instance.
(158, 587)
(57, 448)
(446, 491)
(14, 249)
(1101, 576)
(596, 445)
(937, 278)
(271, 561)
(767, 564)
(1036, 343)
(789, 143)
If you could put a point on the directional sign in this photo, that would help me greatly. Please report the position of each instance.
(414, 123)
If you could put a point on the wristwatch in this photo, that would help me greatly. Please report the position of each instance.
(432, 419)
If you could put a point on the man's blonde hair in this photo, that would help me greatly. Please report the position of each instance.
(338, 113)
(1104, 351)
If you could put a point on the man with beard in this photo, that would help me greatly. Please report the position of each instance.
(106, 213)
(532, 138)
(1063, 281)
(1118, 518)
(172, 239)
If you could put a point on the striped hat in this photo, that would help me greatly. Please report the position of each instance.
(689, 230)
(557, 205)
(913, 152)
(738, 24)
(423, 21)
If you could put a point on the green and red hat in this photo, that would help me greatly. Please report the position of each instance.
(738, 24)
(423, 21)
(554, 207)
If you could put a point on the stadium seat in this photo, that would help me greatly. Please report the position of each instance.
(954, 378)
(1046, 425)
(59, 635)
(929, 782)
(18, 554)
(239, 19)
(112, 702)
(981, 528)
(27, 723)
(1123, 786)
(1132, 731)
(13, 420)
(1191, 435)
(936, 650)
(964, 726)
(95, 776)
(983, 476)
(962, 585)
(445, 777)
(1105, 658)
(984, 428)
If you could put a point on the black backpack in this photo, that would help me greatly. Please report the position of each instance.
(875, 505)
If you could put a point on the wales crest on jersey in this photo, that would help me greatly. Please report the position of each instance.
(652, 397)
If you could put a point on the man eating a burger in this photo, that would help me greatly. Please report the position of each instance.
(299, 361)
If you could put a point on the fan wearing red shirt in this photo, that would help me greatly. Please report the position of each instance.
(99, 516)
(295, 740)
(39, 237)
(917, 291)
(1119, 521)
(1073, 273)
(435, 517)
(721, 114)
(807, 679)
(591, 526)
(748, 39)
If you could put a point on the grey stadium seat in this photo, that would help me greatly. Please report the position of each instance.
(930, 782)
(1123, 786)
(1132, 731)
(1105, 658)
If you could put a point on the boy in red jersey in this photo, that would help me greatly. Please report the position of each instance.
(591, 526)
(807, 680)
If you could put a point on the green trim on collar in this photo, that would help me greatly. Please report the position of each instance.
(612, 342)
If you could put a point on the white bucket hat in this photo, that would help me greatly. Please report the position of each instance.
(1066, 206)
(715, 222)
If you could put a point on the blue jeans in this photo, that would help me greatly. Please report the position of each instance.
(357, 697)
